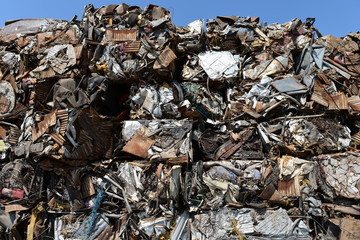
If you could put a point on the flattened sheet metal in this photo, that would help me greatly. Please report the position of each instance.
(121, 35)
(338, 101)
(354, 103)
(277, 223)
(26, 26)
(138, 145)
(219, 64)
(350, 228)
(317, 97)
(289, 86)
(48, 73)
(78, 51)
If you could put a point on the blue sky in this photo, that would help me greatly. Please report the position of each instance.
(333, 17)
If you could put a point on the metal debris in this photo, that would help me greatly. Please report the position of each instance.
(122, 125)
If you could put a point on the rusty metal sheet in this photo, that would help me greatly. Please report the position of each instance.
(354, 103)
(15, 208)
(87, 187)
(58, 138)
(178, 160)
(317, 97)
(42, 90)
(289, 188)
(42, 127)
(58, 36)
(83, 150)
(78, 51)
(356, 138)
(251, 112)
(2, 132)
(48, 73)
(43, 37)
(259, 107)
(14, 134)
(122, 8)
(110, 9)
(121, 35)
(91, 142)
(157, 12)
(132, 46)
(350, 228)
(138, 145)
(338, 101)
(63, 116)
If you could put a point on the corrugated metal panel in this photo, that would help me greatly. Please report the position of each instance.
(121, 35)
(63, 116)
(165, 58)
(289, 188)
(356, 138)
(83, 137)
(82, 151)
(93, 143)
(132, 47)
(354, 102)
(14, 135)
(58, 138)
(42, 90)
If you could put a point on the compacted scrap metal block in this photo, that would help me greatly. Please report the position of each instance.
(122, 125)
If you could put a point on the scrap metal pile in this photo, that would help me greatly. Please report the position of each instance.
(123, 126)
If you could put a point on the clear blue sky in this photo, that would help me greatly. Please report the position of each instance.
(336, 17)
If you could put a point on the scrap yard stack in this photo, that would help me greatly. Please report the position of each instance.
(121, 125)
